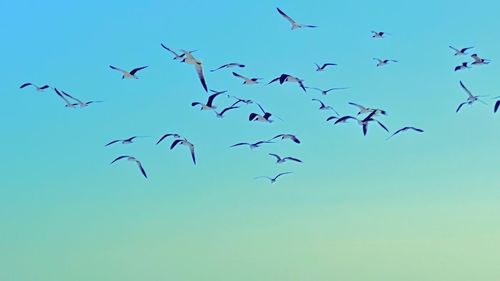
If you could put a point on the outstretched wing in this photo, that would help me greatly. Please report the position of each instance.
(142, 169)
(112, 142)
(286, 16)
(460, 106)
(137, 69)
(175, 143)
(293, 159)
(497, 105)
(199, 70)
(119, 69)
(466, 90)
(239, 76)
(119, 158)
(25, 85)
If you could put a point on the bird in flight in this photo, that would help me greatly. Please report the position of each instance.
(323, 67)
(287, 136)
(184, 142)
(289, 78)
(78, 103)
(261, 118)
(378, 34)
(128, 75)
(405, 129)
(176, 55)
(229, 65)
(295, 25)
(198, 65)
(382, 62)
(463, 66)
(460, 52)
(273, 180)
(209, 105)
(325, 92)
(478, 60)
(247, 81)
(325, 107)
(175, 136)
(471, 99)
(252, 145)
(280, 160)
(125, 141)
(133, 159)
(238, 100)
(40, 89)
(221, 114)
(363, 109)
(363, 122)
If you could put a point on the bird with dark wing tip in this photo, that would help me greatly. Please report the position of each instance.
(229, 65)
(198, 65)
(405, 129)
(323, 67)
(38, 88)
(382, 62)
(280, 160)
(132, 159)
(471, 99)
(295, 25)
(460, 52)
(273, 180)
(125, 141)
(186, 143)
(127, 74)
(325, 92)
(287, 137)
(246, 80)
(209, 105)
(289, 78)
(252, 145)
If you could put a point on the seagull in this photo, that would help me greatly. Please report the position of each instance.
(325, 107)
(463, 66)
(497, 105)
(176, 56)
(369, 119)
(221, 114)
(471, 98)
(363, 110)
(460, 52)
(229, 65)
(126, 74)
(273, 180)
(175, 136)
(289, 78)
(287, 136)
(125, 141)
(295, 24)
(209, 105)
(379, 34)
(322, 68)
(325, 92)
(40, 89)
(251, 145)
(198, 65)
(404, 129)
(384, 61)
(260, 118)
(186, 143)
(280, 160)
(78, 103)
(478, 60)
(248, 81)
(133, 159)
(68, 103)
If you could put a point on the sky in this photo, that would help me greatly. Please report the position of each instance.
(416, 207)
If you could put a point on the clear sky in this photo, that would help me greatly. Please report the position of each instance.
(417, 207)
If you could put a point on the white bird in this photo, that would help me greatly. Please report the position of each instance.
(252, 145)
(280, 160)
(185, 142)
(79, 103)
(261, 118)
(247, 81)
(325, 107)
(273, 180)
(478, 60)
(460, 52)
(229, 65)
(128, 75)
(289, 78)
(287, 137)
(295, 25)
(133, 159)
(363, 109)
(125, 141)
(325, 92)
(323, 67)
(463, 66)
(40, 89)
(378, 34)
(198, 65)
(382, 62)
(404, 129)
(471, 99)
(209, 105)
(176, 55)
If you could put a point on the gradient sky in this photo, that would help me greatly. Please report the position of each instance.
(417, 207)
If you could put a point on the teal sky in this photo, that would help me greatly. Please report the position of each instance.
(417, 207)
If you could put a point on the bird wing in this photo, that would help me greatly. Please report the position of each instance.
(274, 80)
(275, 155)
(240, 76)
(25, 85)
(163, 137)
(77, 100)
(119, 69)
(199, 70)
(239, 144)
(331, 117)
(168, 49)
(61, 95)
(261, 108)
(322, 104)
(222, 66)
(497, 105)
(460, 106)
(382, 125)
(286, 16)
(466, 90)
(344, 118)
(191, 149)
(211, 99)
(301, 84)
(281, 174)
(455, 49)
(119, 158)
(293, 159)
(141, 168)
(358, 106)
(465, 49)
(137, 69)
(252, 116)
(196, 103)
(227, 109)
(175, 143)
(112, 142)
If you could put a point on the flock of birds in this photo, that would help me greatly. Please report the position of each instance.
(364, 117)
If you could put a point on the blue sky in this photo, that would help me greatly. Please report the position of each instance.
(415, 207)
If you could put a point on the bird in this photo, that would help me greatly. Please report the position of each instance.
(478, 60)
(280, 160)
(261, 118)
(124, 141)
(497, 105)
(470, 99)
(382, 62)
(378, 34)
(128, 75)
(186, 143)
(176, 55)
(342, 119)
(209, 105)
(133, 159)
(364, 122)
(198, 65)
(363, 109)
(229, 65)
(460, 52)
(175, 136)
(289, 78)
(325, 92)
(238, 100)
(295, 25)
(273, 180)
(247, 81)
(287, 136)
(79, 103)
(322, 68)
(463, 66)
(221, 114)
(68, 103)
(325, 107)
(39, 89)
(404, 129)
(252, 145)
